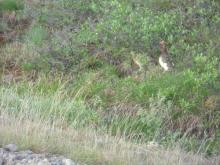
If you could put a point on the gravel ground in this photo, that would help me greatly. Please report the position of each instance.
(9, 155)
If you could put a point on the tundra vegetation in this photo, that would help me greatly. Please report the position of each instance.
(69, 83)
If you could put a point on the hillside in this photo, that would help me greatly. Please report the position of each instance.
(83, 79)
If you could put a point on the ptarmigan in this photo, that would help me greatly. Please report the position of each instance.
(164, 59)
(135, 65)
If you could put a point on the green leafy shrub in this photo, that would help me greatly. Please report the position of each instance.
(11, 5)
(37, 35)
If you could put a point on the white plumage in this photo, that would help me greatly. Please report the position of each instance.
(163, 64)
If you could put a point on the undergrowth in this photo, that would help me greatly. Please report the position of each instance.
(66, 65)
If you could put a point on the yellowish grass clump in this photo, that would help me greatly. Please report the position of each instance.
(88, 146)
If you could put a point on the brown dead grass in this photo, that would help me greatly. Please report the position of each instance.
(88, 146)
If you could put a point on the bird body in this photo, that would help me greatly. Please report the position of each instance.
(163, 64)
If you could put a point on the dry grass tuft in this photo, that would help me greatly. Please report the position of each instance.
(88, 146)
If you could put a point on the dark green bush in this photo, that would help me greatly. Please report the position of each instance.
(11, 5)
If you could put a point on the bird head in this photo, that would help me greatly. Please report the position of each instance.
(163, 46)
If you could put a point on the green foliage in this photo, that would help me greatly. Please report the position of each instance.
(86, 35)
(47, 102)
(119, 30)
(11, 5)
(37, 35)
(136, 29)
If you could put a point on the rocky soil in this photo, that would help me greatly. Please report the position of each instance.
(9, 155)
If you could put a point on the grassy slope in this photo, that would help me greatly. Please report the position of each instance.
(57, 64)
(50, 133)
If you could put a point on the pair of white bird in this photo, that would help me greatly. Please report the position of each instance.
(165, 60)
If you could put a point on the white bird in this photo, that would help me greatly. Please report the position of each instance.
(165, 60)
